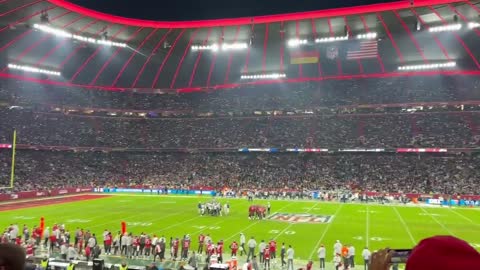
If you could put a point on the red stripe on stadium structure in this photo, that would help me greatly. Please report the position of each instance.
(192, 76)
(297, 35)
(458, 38)
(367, 29)
(27, 18)
(84, 64)
(117, 51)
(265, 42)
(339, 63)
(154, 52)
(315, 35)
(40, 41)
(134, 52)
(235, 85)
(60, 44)
(187, 49)
(230, 57)
(245, 67)
(412, 38)
(397, 50)
(337, 12)
(166, 58)
(214, 60)
(20, 7)
(349, 32)
(439, 44)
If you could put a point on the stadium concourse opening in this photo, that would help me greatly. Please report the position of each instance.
(309, 140)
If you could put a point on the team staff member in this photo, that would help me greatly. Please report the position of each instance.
(282, 254)
(366, 254)
(321, 256)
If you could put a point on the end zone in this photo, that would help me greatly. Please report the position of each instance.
(15, 205)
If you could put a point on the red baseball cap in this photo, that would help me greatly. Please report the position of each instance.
(443, 253)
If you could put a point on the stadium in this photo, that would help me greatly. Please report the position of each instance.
(358, 125)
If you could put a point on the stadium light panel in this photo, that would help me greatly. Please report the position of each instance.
(331, 39)
(428, 66)
(296, 42)
(225, 47)
(264, 76)
(34, 69)
(370, 35)
(472, 25)
(445, 28)
(65, 34)
(234, 46)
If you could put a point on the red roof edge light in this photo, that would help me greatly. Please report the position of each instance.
(337, 12)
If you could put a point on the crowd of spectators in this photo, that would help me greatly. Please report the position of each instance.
(261, 97)
(320, 131)
(40, 170)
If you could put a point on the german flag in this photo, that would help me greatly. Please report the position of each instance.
(300, 58)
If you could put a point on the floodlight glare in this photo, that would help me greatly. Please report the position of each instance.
(34, 69)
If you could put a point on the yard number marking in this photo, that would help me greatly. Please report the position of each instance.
(286, 232)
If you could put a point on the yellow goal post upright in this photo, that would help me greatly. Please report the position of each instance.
(13, 146)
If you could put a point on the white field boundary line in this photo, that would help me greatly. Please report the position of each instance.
(439, 223)
(196, 196)
(291, 224)
(253, 224)
(367, 229)
(405, 226)
(325, 231)
(463, 216)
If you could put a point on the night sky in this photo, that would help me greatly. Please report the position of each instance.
(179, 10)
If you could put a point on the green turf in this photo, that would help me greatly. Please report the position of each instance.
(375, 226)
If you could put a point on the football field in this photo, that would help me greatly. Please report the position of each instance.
(303, 224)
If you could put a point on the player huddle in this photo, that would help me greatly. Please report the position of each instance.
(258, 211)
(213, 208)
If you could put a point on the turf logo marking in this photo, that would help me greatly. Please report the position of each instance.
(300, 218)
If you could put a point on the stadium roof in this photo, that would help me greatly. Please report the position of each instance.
(159, 54)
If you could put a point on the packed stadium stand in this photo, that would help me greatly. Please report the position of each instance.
(382, 98)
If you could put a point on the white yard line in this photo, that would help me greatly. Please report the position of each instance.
(368, 227)
(405, 226)
(325, 231)
(439, 223)
(463, 216)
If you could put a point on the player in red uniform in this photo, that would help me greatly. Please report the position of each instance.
(30, 250)
(234, 248)
(220, 251)
(201, 243)
(186, 247)
(251, 211)
(148, 247)
(108, 243)
(210, 250)
(136, 246)
(175, 245)
(272, 245)
(266, 258)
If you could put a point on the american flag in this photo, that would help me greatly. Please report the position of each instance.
(362, 49)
